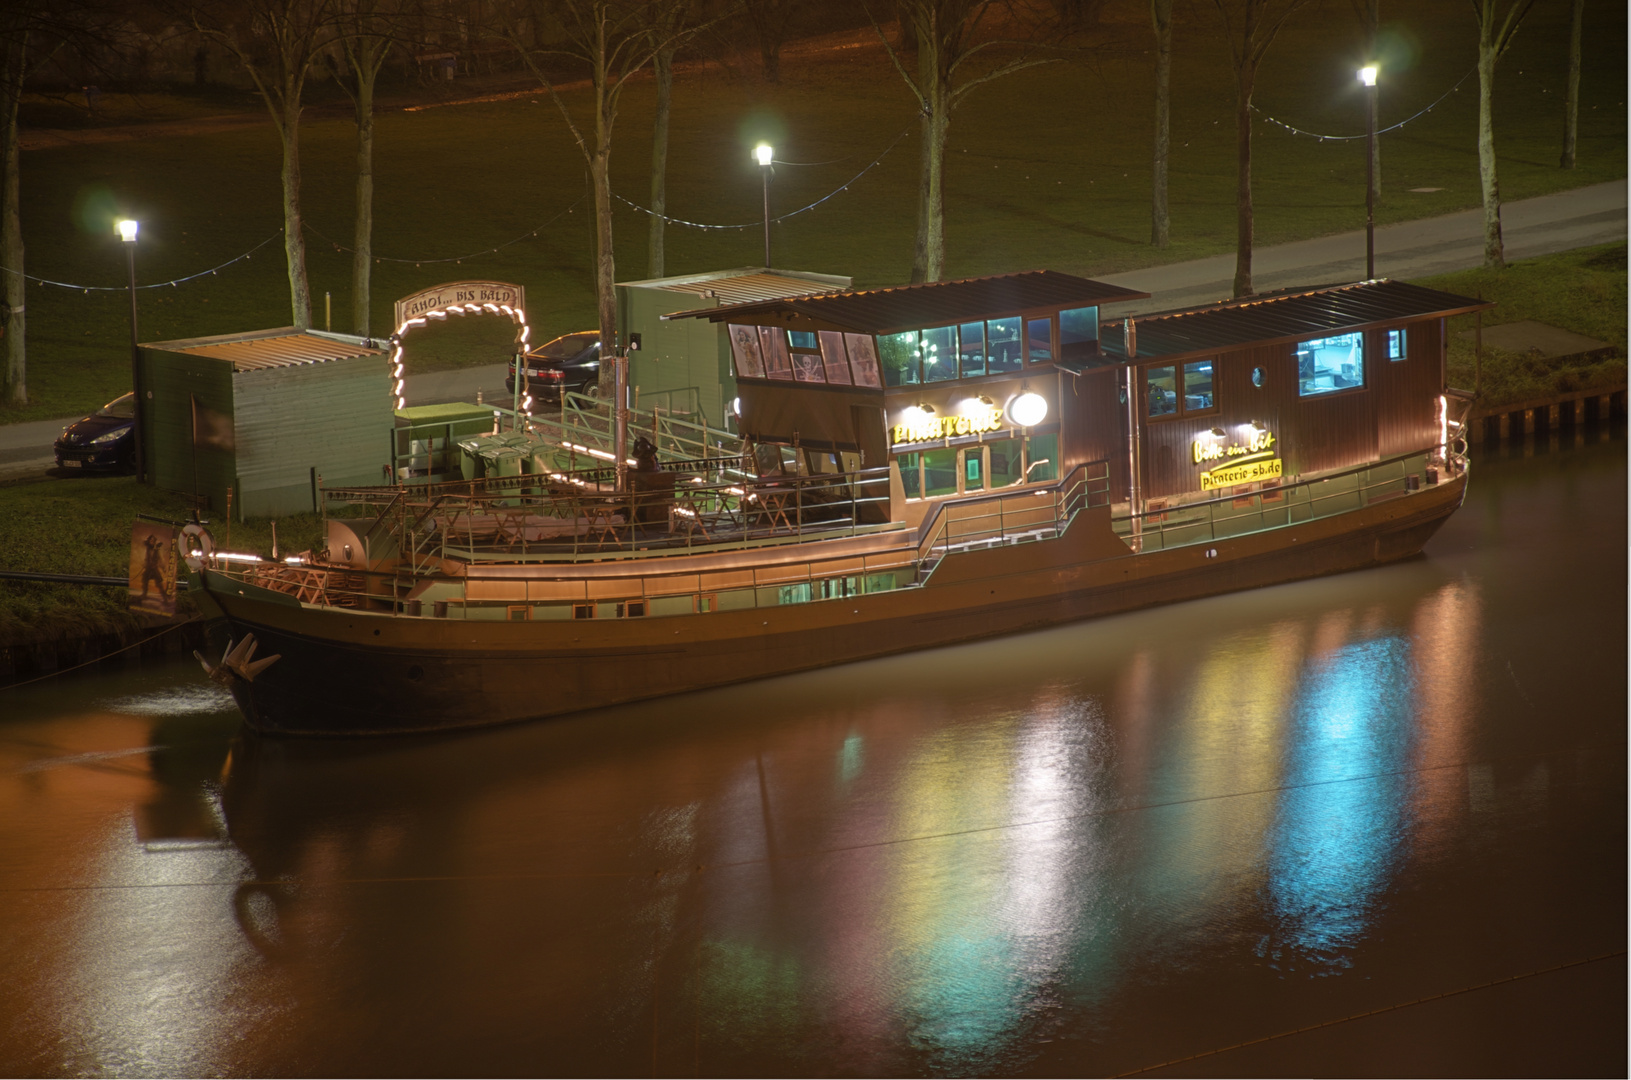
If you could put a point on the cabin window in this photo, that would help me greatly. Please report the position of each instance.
(1161, 390)
(1006, 466)
(939, 349)
(1078, 332)
(974, 468)
(1039, 340)
(1395, 344)
(520, 613)
(583, 611)
(939, 473)
(801, 339)
(745, 351)
(910, 478)
(706, 602)
(898, 353)
(1332, 364)
(1003, 345)
(1042, 454)
(832, 355)
(773, 346)
(1198, 390)
(971, 349)
(863, 359)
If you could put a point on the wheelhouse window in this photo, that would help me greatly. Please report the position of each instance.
(939, 349)
(1039, 340)
(1003, 345)
(971, 349)
(1078, 332)
(1179, 390)
(1395, 344)
(1330, 365)
(898, 353)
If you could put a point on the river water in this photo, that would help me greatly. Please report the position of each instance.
(1373, 823)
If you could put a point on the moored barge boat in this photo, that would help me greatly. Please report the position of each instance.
(920, 466)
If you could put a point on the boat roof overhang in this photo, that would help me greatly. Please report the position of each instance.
(1274, 318)
(932, 303)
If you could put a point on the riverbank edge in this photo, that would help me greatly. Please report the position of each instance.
(35, 660)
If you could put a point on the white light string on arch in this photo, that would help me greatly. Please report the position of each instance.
(522, 334)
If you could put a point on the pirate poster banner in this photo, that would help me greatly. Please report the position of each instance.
(153, 568)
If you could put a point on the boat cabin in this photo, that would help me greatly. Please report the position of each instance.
(972, 386)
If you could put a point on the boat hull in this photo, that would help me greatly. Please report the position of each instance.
(344, 672)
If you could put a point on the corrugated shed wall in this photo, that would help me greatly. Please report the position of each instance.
(676, 356)
(335, 417)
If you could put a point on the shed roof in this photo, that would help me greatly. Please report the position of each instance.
(1288, 315)
(932, 303)
(285, 347)
(746, 284)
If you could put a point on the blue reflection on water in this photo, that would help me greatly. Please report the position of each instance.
(1342, 822)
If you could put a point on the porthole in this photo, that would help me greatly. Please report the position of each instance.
(1257, 376)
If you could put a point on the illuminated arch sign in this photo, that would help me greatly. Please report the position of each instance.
(459, 292)
(459, 298)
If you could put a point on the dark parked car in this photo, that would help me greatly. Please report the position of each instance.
(570, 362)
(106, 439)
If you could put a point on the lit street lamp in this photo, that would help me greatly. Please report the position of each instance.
(127, 233)
(762, 154)
(1367, 75)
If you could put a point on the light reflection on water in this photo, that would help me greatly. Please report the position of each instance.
(1089, 849)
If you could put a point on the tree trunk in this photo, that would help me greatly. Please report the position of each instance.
(11, 234)
(362, 242)
(605, 267)
(294, 238)
(1571, 105)
(770, 55)
(929, 253)
(1160, 227)
(664, 63)
(1243, 185)
(1494, 252)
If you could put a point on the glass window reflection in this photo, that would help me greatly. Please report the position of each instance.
(1003, 345)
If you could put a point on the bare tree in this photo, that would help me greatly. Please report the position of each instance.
(771, 20)
(1250, 26)
(669, 26)
(277, 42)
(954, 40)
(1160, 224)
(614, 39)
(30, 36)
(1496, 29)
(1571, 104)
(367, 29)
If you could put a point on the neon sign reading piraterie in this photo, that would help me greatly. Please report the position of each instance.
(924, 428)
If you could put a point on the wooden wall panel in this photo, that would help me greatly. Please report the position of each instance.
(1094, 424)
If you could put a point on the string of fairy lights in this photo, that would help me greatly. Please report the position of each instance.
(1365, 135)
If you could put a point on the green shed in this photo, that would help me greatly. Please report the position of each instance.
(266, 413)
(684, 366)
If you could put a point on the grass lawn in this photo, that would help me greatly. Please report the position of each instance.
(1582, 290)
(1048, 168)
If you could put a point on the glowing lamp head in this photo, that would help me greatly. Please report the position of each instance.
(763, 153)
(127, 230)
(1028, 409)
(1367, 74)
(736, 406)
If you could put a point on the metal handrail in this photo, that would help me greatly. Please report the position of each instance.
(1070, 495)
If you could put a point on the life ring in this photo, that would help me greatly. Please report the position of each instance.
(197, 542)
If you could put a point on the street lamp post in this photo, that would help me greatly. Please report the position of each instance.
(127, 233)
(1367, 75)
(762, 154)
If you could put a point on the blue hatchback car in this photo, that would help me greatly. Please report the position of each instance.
(106, 439)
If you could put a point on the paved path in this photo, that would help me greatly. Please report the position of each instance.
(1540, 226)
(1412, 249)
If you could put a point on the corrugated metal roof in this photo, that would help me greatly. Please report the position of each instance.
(747, 288)
(1289, 315)
(283, 350)
(934, 303)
